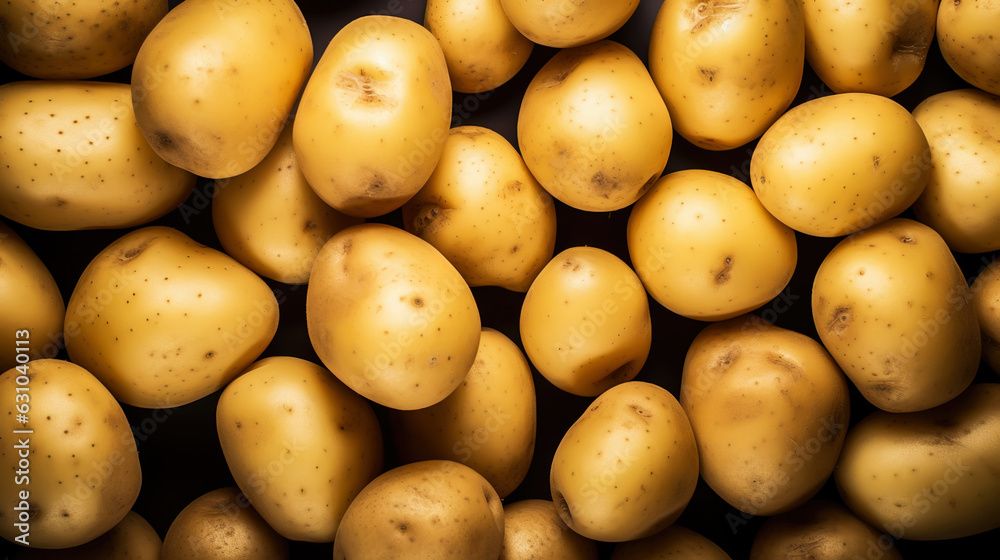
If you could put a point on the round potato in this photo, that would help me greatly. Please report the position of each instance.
(533, 530)
(674, 542)
(839, 164)
(821, 530)
(485, 212)
(986, 299)
(705, 248)
(967, 36)
(593, 128)
(568, 23)
(131, 539)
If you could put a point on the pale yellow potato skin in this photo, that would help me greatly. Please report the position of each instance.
(84, 473)
(163, 321)
(568, 23)
(967, 36)
(592, 127)
(674, 542)
(839, 164)
(895, 311)
(131, 539)
(482, 47)
(706, 248)
(986, 299)
(585, 322)
(821, 530)
(75, 159)
(872, 47)
(485, 212)
(927, 475)
(960, 201)
(374, 115)
(627, 467)
(214, 82)
(391, 317)
(423, 511)
(770, 410)
(31, 300)
(727, 70)
(222, 525)
(75, 40)
(271, 220)
(533, 530)
(487, 423)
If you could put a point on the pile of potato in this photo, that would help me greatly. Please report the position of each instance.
(500, 279)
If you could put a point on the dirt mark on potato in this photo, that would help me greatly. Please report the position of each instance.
(129, 254)
(840, 320)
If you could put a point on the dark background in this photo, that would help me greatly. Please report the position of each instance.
(179, 450)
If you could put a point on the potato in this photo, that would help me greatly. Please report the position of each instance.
(727, 70)
(960, 201)
(487, 423)
(430, 509)
(592, 127)
(214, 82)
(374, 115)
(485, 212)
(873, 47)
(820, 530)
(76, 473)
(705, 248)
(74, 159)
(673, 542)
(568, 23)
(391, 317)
(222, 525)
(533, 530)
(271, 220)
(986, 299)
(33, 304)
(927, 475)
(299, 444)
(482, 47)
(131, 539)
(967, 36)
(627, 467)
(163, 321)
(585, 322)
(893, 308)
(769, 408)
(839, 164)
(75, 40)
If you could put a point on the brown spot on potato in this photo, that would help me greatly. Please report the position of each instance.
(365, 87)
(840, 320)
(428, 216)
(908, 239)
(603, 182)
(704, 13)
(876, 161)
(708, 74)
(724, 275)
(641, 412)
(725, 361)
(131, 253)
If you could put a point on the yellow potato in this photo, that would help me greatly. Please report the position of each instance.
(894, 309)
(74, 159)
(585, 322)
(485, 212)
(568, 23)
(839, 164)
(967, 36)
(674, 542)
(929, 475)
(533, 530)
(592, 127)
(986, 299)
(214, 82)
(374, 116)
(706, 248)
(391, 317)
(163, 321)
(75, 474)
(271, 220)
(727, 70)
(131, 539)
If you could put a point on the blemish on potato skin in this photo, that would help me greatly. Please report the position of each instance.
(724, 275)
(840, 320)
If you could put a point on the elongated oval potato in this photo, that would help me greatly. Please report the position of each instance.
(568, 23)
(82, 475)
(674, 542)
(391, 317)
(75, 40)
(533, 530)
(706, 248)
(163, 321)
(841, 163)
(592, 127)
(271, 220)
(485, 212)
(628, 466)
(325, 437)
(986, 299)
(960, 201)
(770, 401)
(374, 116)
(75, 159)
(214, 82)
(894, 309)
(727, 70)
(967, 36)
(928, 475)
(131, 539)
